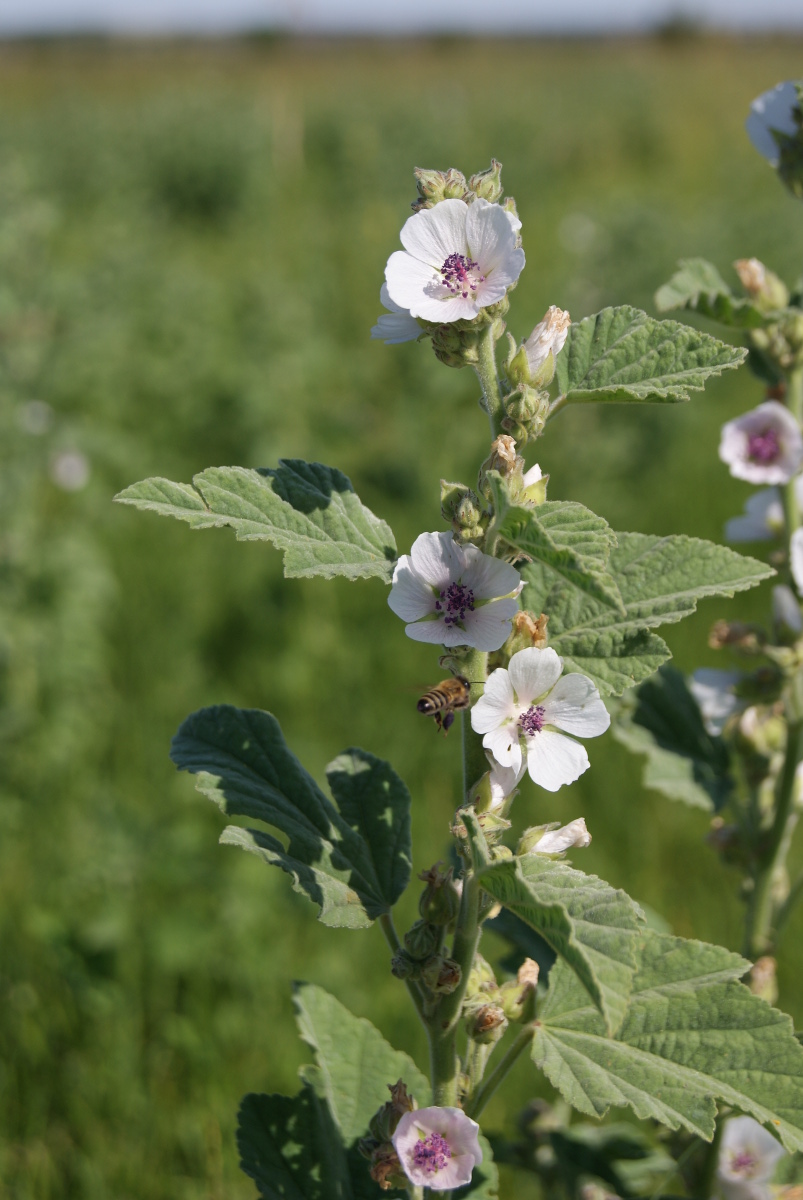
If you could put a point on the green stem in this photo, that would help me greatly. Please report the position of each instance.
(488, 376)
(794, 400)
(475, 764)
(486, 1089)
(785, 911)
(706, 1183)
(444, 1021)
(761, 913)
(392, 939)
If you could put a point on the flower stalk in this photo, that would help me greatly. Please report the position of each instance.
(488, 375)
(485, 1091)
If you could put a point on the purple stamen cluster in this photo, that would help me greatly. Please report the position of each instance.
(461, 274)
(432, 1154)
(743, 1162)
(532, 721)
(455, 601)
(763, 447)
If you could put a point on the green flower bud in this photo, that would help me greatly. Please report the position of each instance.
(434, 186)
(526, 412)
(488, 184)
(441, 975)
(422, 940)
(486, 1024)
(481, 977)
(404, 966)
(384, 1121)
(764, 288)
(466, 512)
(518, 995)
(440, 900)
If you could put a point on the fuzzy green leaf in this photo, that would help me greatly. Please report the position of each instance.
(698, 286)
(308, 511)
(660, 580)
(684, 761)
(336, 858)
(355, 1063)
(692, 1035)
(622, 355)
(589, 924)
(569, 539)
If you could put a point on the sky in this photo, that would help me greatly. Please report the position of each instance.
(389, 16)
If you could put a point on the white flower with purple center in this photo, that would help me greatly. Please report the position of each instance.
(748, 1155)
(396, 325)
(772, 110)
(527, 711)
(457, 259)
(438, 1148)
(762, 519)
(454, 595)
(763, 446)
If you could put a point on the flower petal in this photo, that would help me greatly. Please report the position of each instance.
(488, 627)
(554, 759)
(410, 598)
(488, 577)
(556, 841)
(574, 705)
(533, 672)
(407, 279)
(796, 559)
(503, 743)
(436, 559)
(431, 631)
(395, 328)
(491, 240)
(432, 234)
(496, 705)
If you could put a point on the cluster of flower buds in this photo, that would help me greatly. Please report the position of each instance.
(422, 958)
(377, 1146)
(781, 342)
(767, 291)
(435, 186)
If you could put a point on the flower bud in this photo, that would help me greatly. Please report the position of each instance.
(517, 995)
(550, 840)
(422, 939)
(528, 630)
(386, 1169)
(737, 635)
(481, 978)
(404, 966)
(526, 412)
(762, 979)
(534, 362)
(486, 1024)
(456, 346)
(384, 1121)
(434, 186)
(465, 511)
(441, 975)
(762, 285)
(488, 184)
(440, 900)
(535, 485)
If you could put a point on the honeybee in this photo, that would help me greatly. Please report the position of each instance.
(444, 700)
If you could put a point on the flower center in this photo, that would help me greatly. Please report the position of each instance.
(532, 721)
(763, 447)
(455, 601)
(743, 1163)
(461, 275)
(432, 1154)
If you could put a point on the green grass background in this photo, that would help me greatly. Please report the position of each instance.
(192, 240)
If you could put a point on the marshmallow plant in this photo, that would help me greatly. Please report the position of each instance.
(540, 617)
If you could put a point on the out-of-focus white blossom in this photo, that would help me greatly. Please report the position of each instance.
(748, 1156)
(763, 446)
(714, 692)
(762, 519)
(772, 110)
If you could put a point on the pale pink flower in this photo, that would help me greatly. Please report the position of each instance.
(748, 1155)
(438, 1148)
(764, 445)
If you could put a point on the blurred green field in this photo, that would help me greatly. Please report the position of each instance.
(192, 240)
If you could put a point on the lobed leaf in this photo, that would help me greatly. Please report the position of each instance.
(684, 761)
(335, 858)
(590, 925)
(622, 355)
(660, 580)
(692, 1035)
(307, 510)
(698, 286)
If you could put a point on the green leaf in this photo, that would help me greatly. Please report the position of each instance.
(309, 511)
(692, 1035)
(684, 762)
(292, 1150)
(356, 1065)
(589, 924)
(337, 859)
(623, 355)
(569, 539)
(660, 580)
(697, 285)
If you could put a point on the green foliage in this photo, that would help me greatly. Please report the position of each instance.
(354, 863)
(692, 1035)
(308, 511)
(698, 286)
(590, 925)
(622, 355)
(684, 761)
(660, 581)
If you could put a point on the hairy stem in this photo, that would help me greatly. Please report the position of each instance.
(486, 1089)
(488, 376)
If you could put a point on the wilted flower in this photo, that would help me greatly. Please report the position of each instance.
(714, 692)
(548, 337)
(748, 1155)
(772, 110)
(438, 1147)
(543, 840)
(454, 594)
(457, 259)
(530, 707)
(762, 520)
(396, 325)
(763, 446)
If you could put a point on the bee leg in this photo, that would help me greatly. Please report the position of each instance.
(446, 722)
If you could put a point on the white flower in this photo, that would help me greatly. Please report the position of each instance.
(438, 1148)
(69, 470)
(716, 699)
(396, 325)
(748, 1155)
(454, 594)
(503, 782)
(764, 445)
(785, 610)
(548, 337)
(524, 709)
(534, 475)
(457, 259)
(762, 520)
(772, 110)
(796, 559)
(556, 841)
